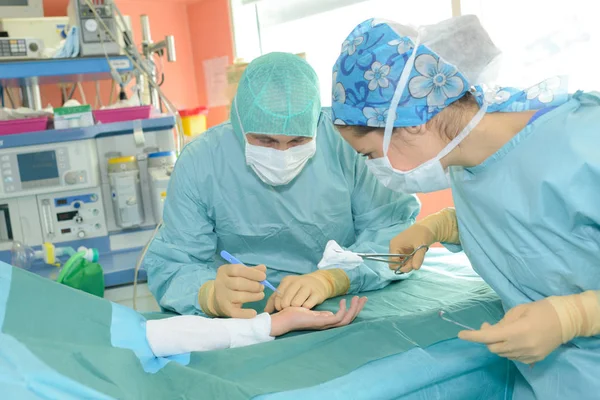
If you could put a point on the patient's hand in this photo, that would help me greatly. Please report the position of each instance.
(299, 318)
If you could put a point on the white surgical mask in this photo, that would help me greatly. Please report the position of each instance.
(429, 176)
(277, 167)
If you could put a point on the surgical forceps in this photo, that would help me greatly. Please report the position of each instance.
(385, 257)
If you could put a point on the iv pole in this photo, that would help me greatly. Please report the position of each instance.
(149, 48)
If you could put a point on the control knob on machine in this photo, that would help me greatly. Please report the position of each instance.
(33, 47)
(81, 234)
(78, 219)
(90, 25)
(71, 178)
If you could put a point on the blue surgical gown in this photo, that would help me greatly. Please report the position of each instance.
(216, 202)
(529, 221)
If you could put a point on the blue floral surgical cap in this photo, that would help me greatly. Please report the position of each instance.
(373, 57)
(367, 72)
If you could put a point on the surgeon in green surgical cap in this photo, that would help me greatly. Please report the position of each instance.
(272, 186)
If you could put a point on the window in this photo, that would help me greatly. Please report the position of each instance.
(245, 30)
(542, 38)
(539, 38)
(321, 27)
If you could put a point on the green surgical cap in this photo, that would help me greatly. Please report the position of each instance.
(277, 95)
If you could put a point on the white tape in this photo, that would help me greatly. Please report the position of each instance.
(138, 133)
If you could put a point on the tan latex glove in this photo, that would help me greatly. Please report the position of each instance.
(529, 332)
(438, 227)
(233, 286)
(308, 290)
(579, 314)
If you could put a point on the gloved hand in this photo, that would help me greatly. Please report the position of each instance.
(233, 286)
(529, 332)
(300, 318)
(438, 227)
(308, 290)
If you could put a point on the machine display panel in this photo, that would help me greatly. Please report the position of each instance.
(37, 166)
(15, 3)
(66, 216)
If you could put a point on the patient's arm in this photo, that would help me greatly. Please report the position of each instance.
(302, 319)
(187, 333)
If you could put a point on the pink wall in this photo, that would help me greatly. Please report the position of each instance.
(211, 33)
(434, 202)
(168, 20)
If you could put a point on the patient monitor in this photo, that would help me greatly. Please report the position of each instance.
(21, 8)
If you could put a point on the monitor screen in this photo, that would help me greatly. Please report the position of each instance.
(21, 8)
(37, 166)
(14, 2)
(66, 216)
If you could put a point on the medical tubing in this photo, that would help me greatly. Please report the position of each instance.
(139, 263)
(171, 108)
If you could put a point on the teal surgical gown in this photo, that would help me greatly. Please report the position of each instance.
(216, 202)
(529, 221)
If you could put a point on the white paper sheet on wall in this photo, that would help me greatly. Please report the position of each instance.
(215, 76)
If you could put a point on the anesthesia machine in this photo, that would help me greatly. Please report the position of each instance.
(100, 187)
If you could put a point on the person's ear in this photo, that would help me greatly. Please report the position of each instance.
(415, 130)
(408, 133)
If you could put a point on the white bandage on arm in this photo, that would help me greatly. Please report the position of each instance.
(187, 333)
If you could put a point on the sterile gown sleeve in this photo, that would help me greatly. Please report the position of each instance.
(379, 215)
(179, 259)
(454, 248)
(187, 333)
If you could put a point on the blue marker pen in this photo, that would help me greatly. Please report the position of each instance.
(231, 259)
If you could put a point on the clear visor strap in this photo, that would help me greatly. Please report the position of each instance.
(237, 114)
(391, 117)
(466, 130)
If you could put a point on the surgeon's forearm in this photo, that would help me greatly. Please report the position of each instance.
(443, 225)
(335, 280)
(579, 314)
(372, 276)
(206, 299)
(175, 285)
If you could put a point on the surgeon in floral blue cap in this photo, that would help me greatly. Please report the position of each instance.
(524, 169)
